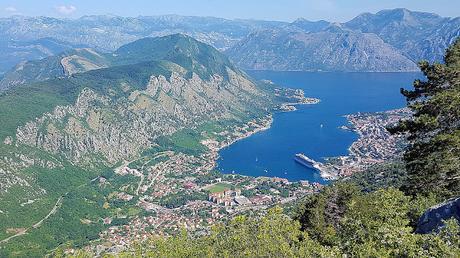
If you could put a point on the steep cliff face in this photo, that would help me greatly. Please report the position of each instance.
(105, 116)
(333, 49)
(113, 129)
(433, 219)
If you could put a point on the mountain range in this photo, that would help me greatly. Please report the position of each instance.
(107, 33)
(388, 41)
(405, 36)
(67, 126)
(330, 49)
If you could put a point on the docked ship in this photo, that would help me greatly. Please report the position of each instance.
(306, 161)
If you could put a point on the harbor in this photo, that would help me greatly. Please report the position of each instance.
(327, 132)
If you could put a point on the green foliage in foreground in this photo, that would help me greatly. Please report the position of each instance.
(432, 160)
(373, 224)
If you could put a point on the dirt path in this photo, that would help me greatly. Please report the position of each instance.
(39, 223)
(56, 206)
(36, 225)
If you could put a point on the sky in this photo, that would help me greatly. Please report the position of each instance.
(281, 10)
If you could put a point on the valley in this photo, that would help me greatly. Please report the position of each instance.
(143, 115)
(387, 41)
(151, 135)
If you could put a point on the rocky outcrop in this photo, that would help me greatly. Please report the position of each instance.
(119, 129)
(433, 219)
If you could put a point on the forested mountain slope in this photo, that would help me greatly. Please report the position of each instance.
(59, 136)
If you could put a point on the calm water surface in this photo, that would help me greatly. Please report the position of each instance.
(271, 152)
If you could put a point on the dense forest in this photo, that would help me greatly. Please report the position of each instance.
(373, 214)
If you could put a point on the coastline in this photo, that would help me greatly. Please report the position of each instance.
(215, 146)
(374, 144)
(259, 125)
(287, 107)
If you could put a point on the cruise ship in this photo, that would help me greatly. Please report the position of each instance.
(306, 161)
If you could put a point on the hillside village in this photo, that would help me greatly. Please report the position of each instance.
(184, 192)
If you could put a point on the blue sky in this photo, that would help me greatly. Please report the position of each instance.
(284, 10)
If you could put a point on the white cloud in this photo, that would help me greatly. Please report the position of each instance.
(11, 9)
(66, 9)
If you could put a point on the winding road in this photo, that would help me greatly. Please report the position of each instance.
(52, 211)
(38, 224)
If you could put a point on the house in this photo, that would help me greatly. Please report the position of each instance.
(107, 221)
(261, 199)
(304, 183)
(189, 185)
(124, 196)
(242, 200)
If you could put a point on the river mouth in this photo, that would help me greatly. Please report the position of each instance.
(313, 129)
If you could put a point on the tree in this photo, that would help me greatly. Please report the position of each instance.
(321, 213)
(432, 159)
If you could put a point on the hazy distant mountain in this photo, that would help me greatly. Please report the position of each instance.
(107, 33)
(13, 52)
(332, 49)
(311, 26)
(417, 35)
(391, 40)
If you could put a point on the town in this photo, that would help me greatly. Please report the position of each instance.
(374, 145)
(176, 191)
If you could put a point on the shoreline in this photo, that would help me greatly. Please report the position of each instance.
(374, 144)
(259, 125)
(215, 147)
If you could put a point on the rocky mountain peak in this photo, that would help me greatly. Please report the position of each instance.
(310, 26)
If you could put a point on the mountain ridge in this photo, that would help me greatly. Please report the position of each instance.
(398, 27)
(60, 135)
(175, 48)
(332, 49)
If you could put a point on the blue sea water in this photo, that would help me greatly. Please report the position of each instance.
(271, 152)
